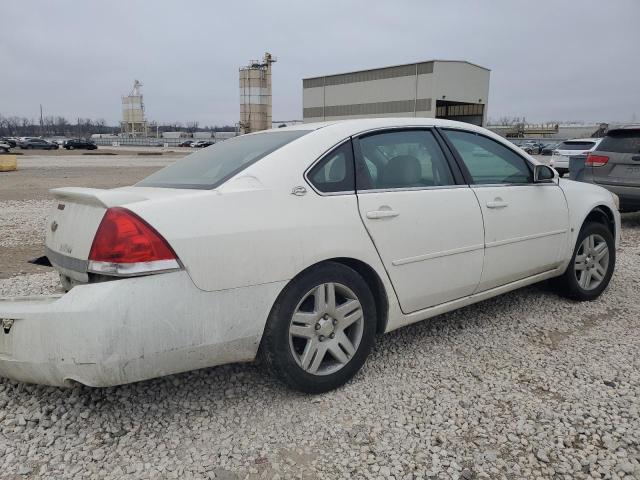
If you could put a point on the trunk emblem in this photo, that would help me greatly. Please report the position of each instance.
(54, 226)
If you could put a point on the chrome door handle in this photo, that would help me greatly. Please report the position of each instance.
(382, 214)
(497, 204)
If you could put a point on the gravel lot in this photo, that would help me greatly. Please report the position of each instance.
(526, 385)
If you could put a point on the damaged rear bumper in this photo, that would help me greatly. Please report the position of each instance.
(131, 329)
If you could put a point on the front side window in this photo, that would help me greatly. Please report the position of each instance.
(334, 173)
(402, 159)
(211, 167)
(488, 161)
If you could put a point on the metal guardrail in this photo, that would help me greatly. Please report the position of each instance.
(139, 141)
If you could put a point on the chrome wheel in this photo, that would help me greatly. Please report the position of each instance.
(592, 262)
(326, 329)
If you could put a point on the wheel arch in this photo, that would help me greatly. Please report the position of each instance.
(371, 278)
(601, 214)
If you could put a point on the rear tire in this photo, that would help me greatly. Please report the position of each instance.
(591, 265)
(320, 329)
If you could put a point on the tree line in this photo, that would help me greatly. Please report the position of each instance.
(54, 126)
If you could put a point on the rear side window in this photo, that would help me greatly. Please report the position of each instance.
(212, 166)
(569, 145)
(402, 159)
(621, 141)
(334, 173)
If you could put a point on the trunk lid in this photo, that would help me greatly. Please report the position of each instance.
(73, 222)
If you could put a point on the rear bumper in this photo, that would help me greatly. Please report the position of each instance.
(129, 330)
(629, 196)
(559, 162)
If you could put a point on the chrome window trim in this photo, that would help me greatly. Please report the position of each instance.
(412, 189)
(482, 185)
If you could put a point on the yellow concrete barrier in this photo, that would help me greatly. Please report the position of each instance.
(8, 163)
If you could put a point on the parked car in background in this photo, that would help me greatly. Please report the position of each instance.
(37, 143)
(615, 165)
(186, 143)
(298, 245)
(4, 146)
(549, 148)
(201, 144)
(12, 142)
(568, 148)
(531, 147)
(80, 143)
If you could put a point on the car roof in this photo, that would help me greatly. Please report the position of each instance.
(622, 128)
(582, 140)
(356, 125)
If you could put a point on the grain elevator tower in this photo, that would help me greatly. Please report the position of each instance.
(255, 95)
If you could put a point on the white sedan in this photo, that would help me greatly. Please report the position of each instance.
(569, 148)
(298, 246)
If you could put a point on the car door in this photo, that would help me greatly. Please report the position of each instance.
(425, 222)
(526, 224)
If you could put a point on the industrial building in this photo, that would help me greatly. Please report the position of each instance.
(134, 123)
(255, 95)
(451, 89)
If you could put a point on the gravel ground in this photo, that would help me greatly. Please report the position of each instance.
(526, 385)
(23, 222)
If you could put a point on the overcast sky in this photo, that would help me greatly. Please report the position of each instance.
(549, 59)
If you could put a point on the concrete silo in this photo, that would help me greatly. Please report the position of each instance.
(134, 123)
(255, 95)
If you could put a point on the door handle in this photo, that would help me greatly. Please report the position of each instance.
(382, 214)
(497, 204)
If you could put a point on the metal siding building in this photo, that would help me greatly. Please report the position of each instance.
(452, 89)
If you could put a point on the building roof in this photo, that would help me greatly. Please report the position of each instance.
(399, 65)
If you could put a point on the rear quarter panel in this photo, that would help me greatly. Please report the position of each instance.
(253, 230)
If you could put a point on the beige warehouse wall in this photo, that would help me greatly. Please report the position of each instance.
(460, 82)
(385, 90)
(312, 97)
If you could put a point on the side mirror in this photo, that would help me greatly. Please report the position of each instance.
(543, 174)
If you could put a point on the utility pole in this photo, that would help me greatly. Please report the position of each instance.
(41, 122)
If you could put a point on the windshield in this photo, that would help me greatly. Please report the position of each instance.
(214, 165)
(576, 145)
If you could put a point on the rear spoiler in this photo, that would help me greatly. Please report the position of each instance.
(96, 196)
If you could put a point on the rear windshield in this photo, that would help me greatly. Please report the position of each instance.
(214, 165)
(621, 141)
(569, 145)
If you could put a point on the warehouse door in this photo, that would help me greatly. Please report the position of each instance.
(462, 112)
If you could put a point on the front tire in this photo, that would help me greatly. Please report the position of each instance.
(591, 265)
(320, 329)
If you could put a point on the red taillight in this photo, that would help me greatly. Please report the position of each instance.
(596, 160)
(127, 245)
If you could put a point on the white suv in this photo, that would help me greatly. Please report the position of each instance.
(569, 148)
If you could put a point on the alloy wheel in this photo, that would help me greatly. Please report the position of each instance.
(591, 262)
(326, 329)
